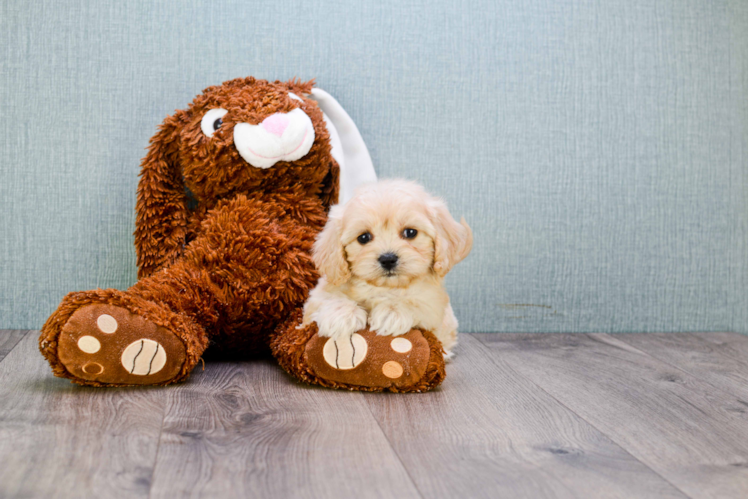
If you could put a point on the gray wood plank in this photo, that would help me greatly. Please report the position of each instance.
(488, 432)
(702, 359)
(60, 440)
(9, 339)
(730, 344)
(249, 430)
(678, 425)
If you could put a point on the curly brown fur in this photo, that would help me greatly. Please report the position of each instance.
(249, 266)
(224, 248)
(180, 156)
(237, 264)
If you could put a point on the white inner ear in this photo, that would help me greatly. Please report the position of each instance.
(356, 167)
(294, 96)
(337, 145)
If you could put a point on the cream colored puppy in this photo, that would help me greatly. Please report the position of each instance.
(383, 257)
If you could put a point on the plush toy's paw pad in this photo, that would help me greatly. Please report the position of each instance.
(110, 345)
(366, 359)
(345, 353)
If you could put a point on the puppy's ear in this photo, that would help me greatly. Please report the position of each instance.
(161, 207)
(328, 253)
(453, 241)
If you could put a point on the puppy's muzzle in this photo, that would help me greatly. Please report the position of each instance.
(388, 261)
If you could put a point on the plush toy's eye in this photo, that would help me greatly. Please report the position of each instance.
(294, 96)
(409, 233)
(364, 238)
(212, 121)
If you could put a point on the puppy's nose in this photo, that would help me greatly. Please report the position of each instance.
(388, 261)
(276, 124)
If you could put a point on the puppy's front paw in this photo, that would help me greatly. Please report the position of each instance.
(336, 321)
(388, 320)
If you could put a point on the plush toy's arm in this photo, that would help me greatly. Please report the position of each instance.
(161, 207)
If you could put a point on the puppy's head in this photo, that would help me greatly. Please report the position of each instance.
(388, 234)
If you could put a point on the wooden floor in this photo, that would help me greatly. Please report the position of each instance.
(521, 415)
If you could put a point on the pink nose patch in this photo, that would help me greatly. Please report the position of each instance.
(275, 124)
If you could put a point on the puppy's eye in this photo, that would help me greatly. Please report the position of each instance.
(212, 121)
(409, 233)
(364, 238)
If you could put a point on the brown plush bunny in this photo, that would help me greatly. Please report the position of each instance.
(232, 194)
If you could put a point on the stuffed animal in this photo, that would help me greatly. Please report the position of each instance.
(232, 193)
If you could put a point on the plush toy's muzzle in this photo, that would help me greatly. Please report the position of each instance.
(279, 137)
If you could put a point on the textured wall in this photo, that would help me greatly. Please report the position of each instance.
(598, 148)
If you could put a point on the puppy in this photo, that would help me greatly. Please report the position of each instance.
(383, 257)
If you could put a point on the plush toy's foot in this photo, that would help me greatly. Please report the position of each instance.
(413, 362)
(368, 360)
(110, 345)
(107, 344)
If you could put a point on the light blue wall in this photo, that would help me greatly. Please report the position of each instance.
(598, 148)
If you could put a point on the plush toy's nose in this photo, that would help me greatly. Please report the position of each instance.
(276, 124)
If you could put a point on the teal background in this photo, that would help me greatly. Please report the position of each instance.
(598, 148)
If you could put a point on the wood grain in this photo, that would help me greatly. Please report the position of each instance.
(678, 425)
(733, 345)
(9, 339)
(488, 432)
(700, 358)
(541, 415)
(249, 430)
(60, 440)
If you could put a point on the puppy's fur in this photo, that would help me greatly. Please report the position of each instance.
(360, 286)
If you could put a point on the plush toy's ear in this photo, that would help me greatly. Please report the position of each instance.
(161, 207)
(328, 253)
(330, 191)
(348, 147)
(453, 241)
